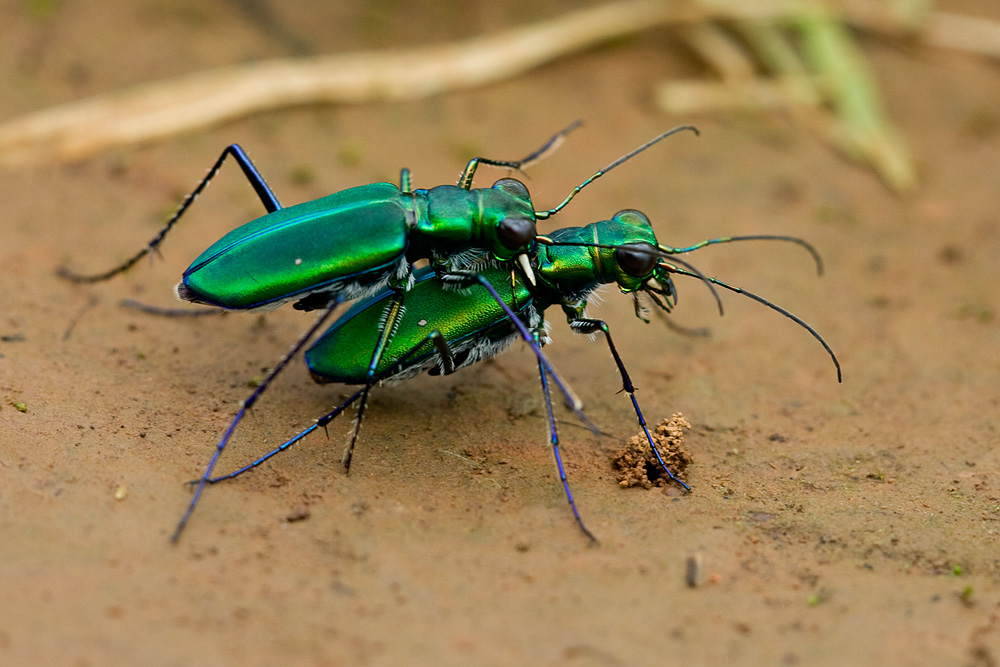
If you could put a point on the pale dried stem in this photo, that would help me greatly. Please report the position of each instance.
(826, 85)
(964, 33)
(79, 129)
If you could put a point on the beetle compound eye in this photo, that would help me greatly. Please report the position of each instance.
(516, 233)
(513, 187)
(636, 259)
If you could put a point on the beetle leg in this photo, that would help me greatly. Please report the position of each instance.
(447, 359)
(465, 180)
(247, 404)
(393, 314)
(434, 336)
(320, 423)
(267, 197)
(588, 326)
(554, 441)
(572, 400)
(390, 320)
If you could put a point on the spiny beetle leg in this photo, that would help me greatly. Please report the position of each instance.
(320, 423)
(267, 198)
(465, 180)
(446, 357)
(440, 344)
(389, 322)
(590, 326)
(572, 400)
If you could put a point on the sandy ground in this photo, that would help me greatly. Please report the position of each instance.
(832, 521)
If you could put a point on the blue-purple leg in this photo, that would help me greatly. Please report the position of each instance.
(247, 404)
(572, 400)
(320, 423)
(434, 336)
(554, 440)
(267, 198)
(589, 326)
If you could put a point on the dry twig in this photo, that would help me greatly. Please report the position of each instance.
(79, 129)
(831, 71)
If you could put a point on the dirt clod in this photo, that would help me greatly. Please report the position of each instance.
(637, 465)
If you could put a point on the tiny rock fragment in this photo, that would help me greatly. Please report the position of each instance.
(637, 465)
(692, 571)
(121, 492)
(298, 513)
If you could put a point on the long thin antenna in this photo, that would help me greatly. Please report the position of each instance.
(543, 215)
(759, 299)
(670, 250)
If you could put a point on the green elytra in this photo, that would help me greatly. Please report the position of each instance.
(447, 328)
(356, 241)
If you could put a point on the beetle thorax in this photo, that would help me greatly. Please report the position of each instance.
(453, 218)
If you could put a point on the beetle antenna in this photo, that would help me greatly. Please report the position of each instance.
(689, 270)
(544, 215)
(670, 250)
(550, 146)
(554, 142)
(759, 299)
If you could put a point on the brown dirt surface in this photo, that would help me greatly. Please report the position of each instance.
(835, 523)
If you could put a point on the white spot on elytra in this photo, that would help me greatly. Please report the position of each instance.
(298, 261)
(422, 323)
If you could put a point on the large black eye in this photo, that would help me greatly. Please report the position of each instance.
(636, 259)
(513, 187)
(516, 233)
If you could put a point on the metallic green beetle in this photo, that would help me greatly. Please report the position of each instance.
(446, 328)
(353, 243)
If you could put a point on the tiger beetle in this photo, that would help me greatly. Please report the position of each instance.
(456, 319)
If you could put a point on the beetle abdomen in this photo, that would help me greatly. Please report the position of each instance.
(473, 325)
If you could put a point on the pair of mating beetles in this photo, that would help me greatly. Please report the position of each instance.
(490, 278)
